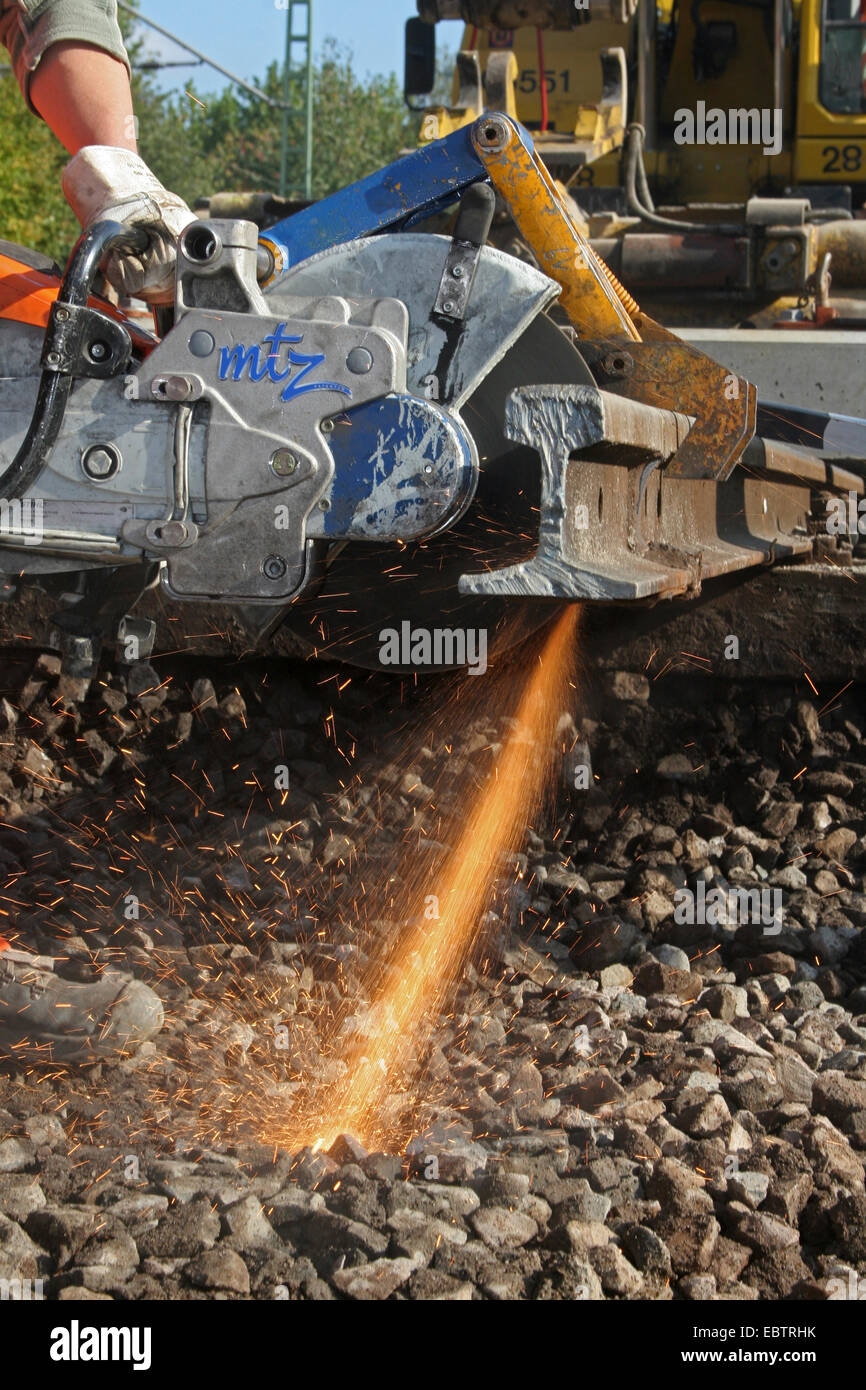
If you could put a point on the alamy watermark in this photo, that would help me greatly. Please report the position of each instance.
(438, 646)
(21, 518)
(846, 516)
(729, 907)
(77, 1343)
(736, 126)
(22, 1290)
(851, 1287)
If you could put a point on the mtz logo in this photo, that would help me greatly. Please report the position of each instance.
(239, 360)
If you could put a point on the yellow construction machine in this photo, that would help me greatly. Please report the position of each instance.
(716, 149)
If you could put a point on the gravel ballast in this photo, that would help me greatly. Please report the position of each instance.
(649, 1082)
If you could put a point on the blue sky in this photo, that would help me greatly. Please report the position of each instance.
(246, 37)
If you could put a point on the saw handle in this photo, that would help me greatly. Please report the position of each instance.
(89, 252)
(475, 215)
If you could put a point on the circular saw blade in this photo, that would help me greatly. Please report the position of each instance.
(506, 296)
(367, 589)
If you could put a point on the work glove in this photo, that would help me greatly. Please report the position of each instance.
(104, 182)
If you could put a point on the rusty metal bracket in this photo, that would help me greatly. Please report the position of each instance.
(615, 526)
(664, 371)
(593, 299)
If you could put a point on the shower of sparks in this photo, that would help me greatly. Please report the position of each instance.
(352, 937)
(426, 963)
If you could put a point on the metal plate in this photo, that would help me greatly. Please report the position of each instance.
(263, 400)
(403, 470)
(369, 587)
(506, 297)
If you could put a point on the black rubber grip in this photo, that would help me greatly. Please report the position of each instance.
(475, 217)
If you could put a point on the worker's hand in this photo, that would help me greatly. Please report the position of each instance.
(104, 182)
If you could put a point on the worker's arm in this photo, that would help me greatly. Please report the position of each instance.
(83, 94)
(70, 62)
(47, 41)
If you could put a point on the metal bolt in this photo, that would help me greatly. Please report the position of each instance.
(283, 462)
(101, 461)
(53, 357)
(457, 272)
(167, 533)
(98, 351)
(62, 315)
(172, 388)
(324, 504)
(359, 361)
(326, 426)
(274, 567)
(448, 306)
(493, 134)
(173, 533)
(617, 363)
(201, 343)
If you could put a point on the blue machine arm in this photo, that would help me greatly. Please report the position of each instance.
(412, 187)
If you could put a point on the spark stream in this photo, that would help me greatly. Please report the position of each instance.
(425, 964)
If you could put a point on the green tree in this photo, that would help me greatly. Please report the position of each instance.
(200, 142)
(33, 211)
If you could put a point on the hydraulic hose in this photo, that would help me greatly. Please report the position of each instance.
(635, 173)
(542, 83)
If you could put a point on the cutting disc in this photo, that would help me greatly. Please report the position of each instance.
(367, 589)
